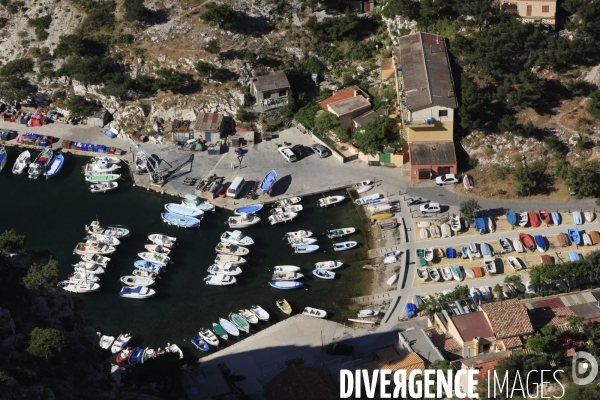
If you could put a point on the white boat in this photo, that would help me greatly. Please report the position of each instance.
(305, 248)
(424, 233)
(286, 268)
(22, 162)
(120, 343)
(367, 313)
(163, 240)
(379, 207)
(173, 348)
(434, 275)
(286, 276)
(422, 274)
(79, 286)
(523, 219)
(587, 240)
(220, 280)
(490, 265)
(486, 293)
(287, 202)
(589, 216)
(299, 241)
(107, 159)
(103, 187)
(100, 167)
(365, 200)
(363, 186)
(137, 292)
(231, 249)
(157, 248)
(518, 246)
(491, 225)
(298, 234)
(144, 274)
(361, 321)
(340, 232)
(282, 217)
(473, 250)
(93, 248)
(260, 312)
(423, 224)
(295, 208)
(90, 268)
(515, 263)
(229, 259)
(208, 336)
(106, 341)
(455, 223)
(323, 274)
(329, 265)
(314, 312)
(428, 254)
(190, 200)
(344, 246)
(434, 230)
(236, 238)
(109, 240)
(132, 280)
(446, 231)
(224, 269)
(457, 273)
(529, 288)
(184, 210)
(81, 275)
(470, 273)
(243, 221)
(446, 273)
(155, 258)
(393, 279)
(249, 316)
(96, 259)
(330, 201)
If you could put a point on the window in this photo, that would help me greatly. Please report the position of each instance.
(486, 347)
(545, 9)
(282, 92)
(442, 113)
(267, 95)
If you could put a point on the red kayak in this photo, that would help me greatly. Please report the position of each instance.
(527, 241)
(545, 216)
(223, 192)
(124, 355)
(534, 220)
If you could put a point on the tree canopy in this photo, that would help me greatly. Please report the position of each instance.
(45, 342)
(221, 15)
(376, 133)
(469, 209)
(79, 106)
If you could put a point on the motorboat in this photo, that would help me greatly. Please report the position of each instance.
(162, 240)
(541, 243)
(132, 280)
(231, 249)
(365, 200)
(446, 273)
(120, 343)
(585, 238)
(563, 240)
(54, 166)
(511, 218)
(473, 250)
(143, 274)
(117, 231)
(137, 292)
(286, 268)
(284, 306)
(282, 217)
(388, 225)
(314, 312)
(490, 265)
(200, 344)
(251, 209)
(434, 275)
(330, 201)
(367, 313)
(180, 221)
(515, 263)
(323, 274)
(428, 254)
(446, 231)
(208, 337)
(100, 167)
(300, 241)
(239, 322)
(136, 355)
(518, 245)
(229, 327)
(80, 275)
(298, 234)
(556, 218)
(22, 162)
(434, 230)
(383, 200)
(155, 258)
(534, 220)
(221, 332)
(79, 286)
(595, 237)
(574, 256)
(464, 252)
(236, 238)
(148, 266)
(306, 248)
(455, 223)
(109, 240)
(286, 276)
(439, 253)
(96, 259)
(173, 348)
(486, 293)
(589, 216)
(422, 274)
(157, 248)
(467, 182)
(285, 285)
(344, 246)
(190, 200)
(456, 273)
(243, 221)
(88, 268)
(527, 241)
(329, 265)
(424, 233)
(260, 312)
(545, 216)
(224, 269)
(363, 186)
(523, 219)
(287, 202)
(103, 187)
(37, 167)
(183, 210)
(220, 280)
(381, 215)
(99, 178)
(574, 236)
(340, 232)
(577, 219)
(229, 259)
(106, 341)
(93, 247)
(267, 183)
(505, 244)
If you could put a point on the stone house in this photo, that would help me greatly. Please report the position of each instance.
(271, 91)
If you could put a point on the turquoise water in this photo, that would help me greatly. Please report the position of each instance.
(52, 214)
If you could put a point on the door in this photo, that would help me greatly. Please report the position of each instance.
(207, 136)
(384, 157)
(443, 170)
(528, 11)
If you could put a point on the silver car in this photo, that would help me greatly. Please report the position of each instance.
(321, 150)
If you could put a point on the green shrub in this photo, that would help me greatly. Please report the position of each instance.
(136, 11)
(213, 47)
(204, 69)
(17, 66)
(221, 15)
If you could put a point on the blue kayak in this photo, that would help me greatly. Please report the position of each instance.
(411, 310)
(148, 266)
(180, 220)
(268, 182)
(480, 225)
(574, 256)
(450, 253)
(252, 209)
(54, 166)
(200, 344)
(136, 356)
(511, 218)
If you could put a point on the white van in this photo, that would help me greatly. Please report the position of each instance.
(288, 154)
(236, 187)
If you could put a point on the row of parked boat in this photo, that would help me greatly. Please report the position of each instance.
(47, 163)
(102, 173)
(535, 219)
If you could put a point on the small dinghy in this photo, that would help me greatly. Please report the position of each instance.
(480, 225)
(330, 201)
(490, 265)
(574, 256)
(446, 273)
(470, 273)
(287, 202)
(180, 221)
(162, 240)
(286, 276)
(545, 216)
(563, 240)
(156, 248)
(267, 183)
(446, 231)
(297, 234)
(220, 331)
(243, 221)
(137, 292)
(109, 240)
(136, 355)
(511, 218)
(595, 237)
(486, 249)
(585, 238)
(208, 336)
(363, 186)
(515, 263)
(456, 273)
(120, 343)
(196, 202)
(118, 231)
(80, 275)
(422, 274)
(577, 218)
(22, 162)
(260, 312)
(393, 279)
(249, 316)
(155, 258)
(411, 310)
(367, 313)
(455, 223)
(132, 280)
(323, 274)
(89, 268)
(79, 286)
(144, 274)
(541, 243)
(518, 246)
(93, 247)
(98, 178)
(329, 265)
(148, 266)
(505, 244)
(286, 268)
(486, 293)
(229, 259)
(282, 217)
(434, 230)
(306, 248)
(252, 209)
(336, 233)
(54, 166)
(589, 216)
(200, 344)
(467, 182)
(173, 348)
(491, 225)
(428, 254)
(423, 224)
(224, 269)
(534, 220)
(239, 322)
(556, 218)
(236, 238)
(424, 233)
(314, 312)
(434, 275)
(376, 208)
(523, 219)
(183, 210)
(301, 241)
(527, 241)
(388, 225)
(285, 285)
(574, 236)
(344, 246)
(364, 200)
(231, 249)
(220, 280)
(284, 306)
(103, 187)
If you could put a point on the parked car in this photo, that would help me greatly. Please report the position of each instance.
(319, 149)
(448, 179)
(339, 349)
(299, 150)
(412, 202)
(430, 208)
(288, 154)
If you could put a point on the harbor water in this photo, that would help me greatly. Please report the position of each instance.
(52, 214)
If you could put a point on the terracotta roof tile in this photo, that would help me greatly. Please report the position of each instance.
(445, 342)
(471, 325)
(508, 318)
(550, 303)
(513, 342)
(560, 317)
(343, 94)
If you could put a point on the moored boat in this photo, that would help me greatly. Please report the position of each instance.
(282, 217)
(183, 210)
(363, 186)
(286, 268)
(342, 246)
(260, 312)
(162, 240)
(220, 332)
(54, 166)
(98, 178)
(286, 202)
(93, 248)
(132, 280)
(251, 209)
(237, 238)
(329, 265)
(286, 276)
(285, 285)
(118, 231)
(229, 259)
(136, 355)
(243, 221)
(88, 268)
(124, 355)
(330, 201)
(231, 249)
(109, 240)
(103, 187)
(239, 322)
(306, 248)
(79, 286)
(148, 266)
(297, 234)
(220, 280)
(200, 344)
(224, 269)
(120, 343)
(284, 306)
(229, 327)
(208, 336)
(155, 258)
(314, 312)
(339, 232)
(84, 276)
(300, 241)
(193, 201)
(39, 164)
(22, 162)
(323, 274)
(180, 220)
(157, 248)
(137, 292)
